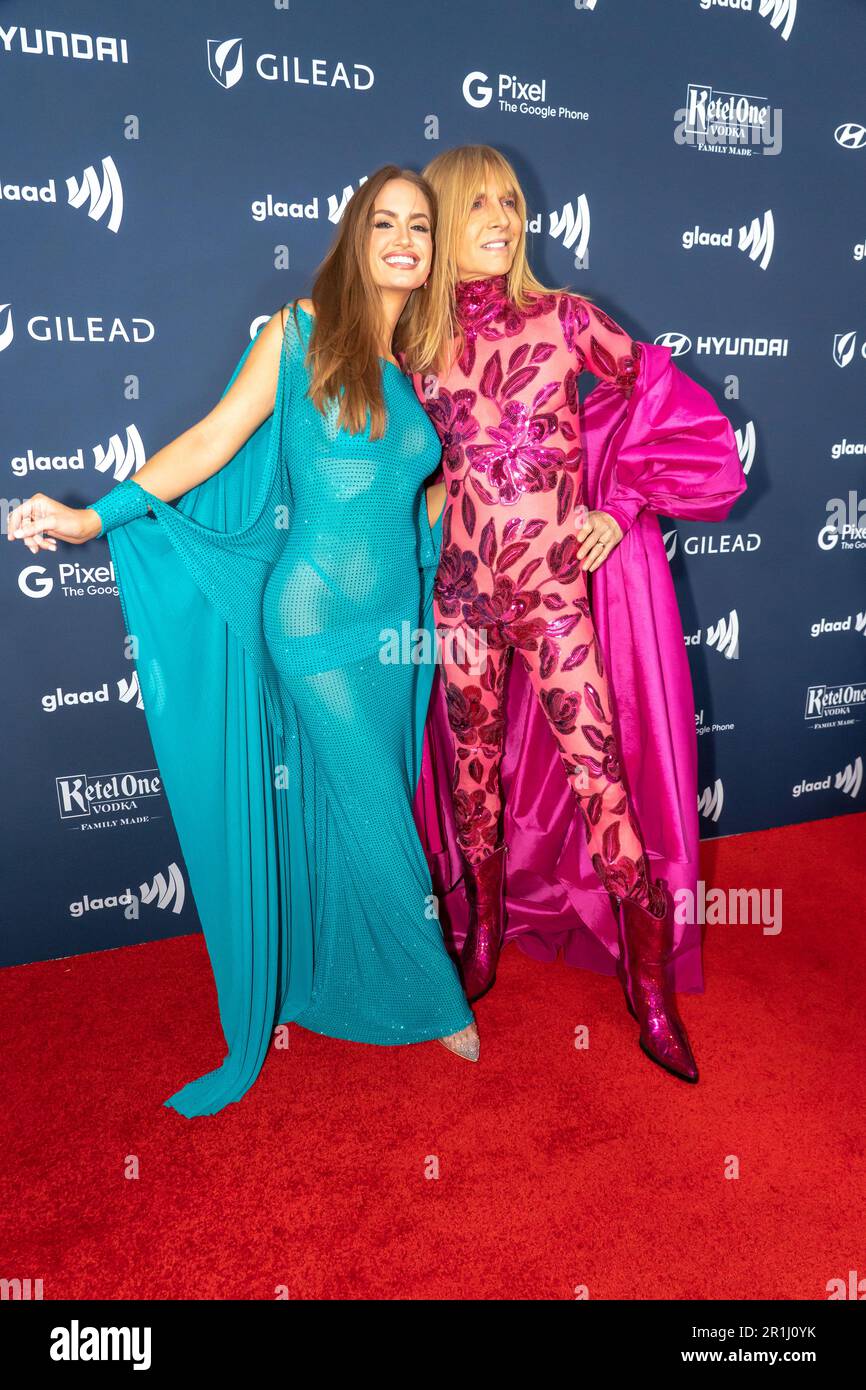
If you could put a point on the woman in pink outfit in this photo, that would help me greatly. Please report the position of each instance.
(517, 543)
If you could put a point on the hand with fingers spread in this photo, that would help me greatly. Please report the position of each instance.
(599, 533)
(40, 522)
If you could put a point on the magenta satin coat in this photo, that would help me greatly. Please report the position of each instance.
(667, 449)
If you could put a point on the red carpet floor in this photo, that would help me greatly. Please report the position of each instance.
(557, 1168)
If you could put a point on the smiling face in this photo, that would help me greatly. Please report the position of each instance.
(490, 237)
(401, 242)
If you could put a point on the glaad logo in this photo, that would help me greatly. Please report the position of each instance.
(104, 196)
(846, 449)
(711, 801)
(117, 458)
(745, 438)
(120, 459)
(166, 891)
(269, 206)
(723, 636)
(127, 691)
(757, 239)
(855, 622)
(845, 348)
(225, 61)
(337, 203)
(850, 135)
(571, 227)
(848, 781)
(779, 12)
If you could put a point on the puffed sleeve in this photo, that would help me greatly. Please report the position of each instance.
(598, 343)
(675, 452)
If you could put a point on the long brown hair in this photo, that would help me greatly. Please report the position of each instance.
(343, 352)
(430, 335)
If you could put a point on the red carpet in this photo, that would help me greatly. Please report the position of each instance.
(558, 1168)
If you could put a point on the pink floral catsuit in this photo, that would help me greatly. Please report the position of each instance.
(507, 415)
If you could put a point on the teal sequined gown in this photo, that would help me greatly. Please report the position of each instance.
(264, 601)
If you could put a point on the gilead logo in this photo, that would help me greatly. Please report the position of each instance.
(225, 61)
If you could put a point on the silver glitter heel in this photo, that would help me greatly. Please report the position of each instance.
(466, 1043)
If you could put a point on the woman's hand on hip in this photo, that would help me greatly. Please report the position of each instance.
(599, 533)
(40, 522)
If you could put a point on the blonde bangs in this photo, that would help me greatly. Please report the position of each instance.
(430, 336)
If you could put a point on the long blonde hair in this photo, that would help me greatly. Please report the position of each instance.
(430, 335)
(343, 351)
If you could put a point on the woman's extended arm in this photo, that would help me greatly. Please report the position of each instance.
(186, 461)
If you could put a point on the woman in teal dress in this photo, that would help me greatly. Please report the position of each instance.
(267, 605)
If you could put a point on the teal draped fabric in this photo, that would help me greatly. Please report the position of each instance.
(258, 787)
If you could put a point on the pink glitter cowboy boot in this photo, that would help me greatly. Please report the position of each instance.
(645, 945)
(484, 893)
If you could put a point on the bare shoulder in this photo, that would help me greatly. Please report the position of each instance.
(307, 306)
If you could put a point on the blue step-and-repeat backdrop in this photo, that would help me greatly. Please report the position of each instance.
(172, 173)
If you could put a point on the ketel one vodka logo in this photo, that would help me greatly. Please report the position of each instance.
(725, 118)
(81, 796)
(101, 194)
(827, 701)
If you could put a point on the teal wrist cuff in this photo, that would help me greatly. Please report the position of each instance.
(125, 502)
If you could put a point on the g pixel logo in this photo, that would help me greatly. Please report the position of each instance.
(474, 92)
